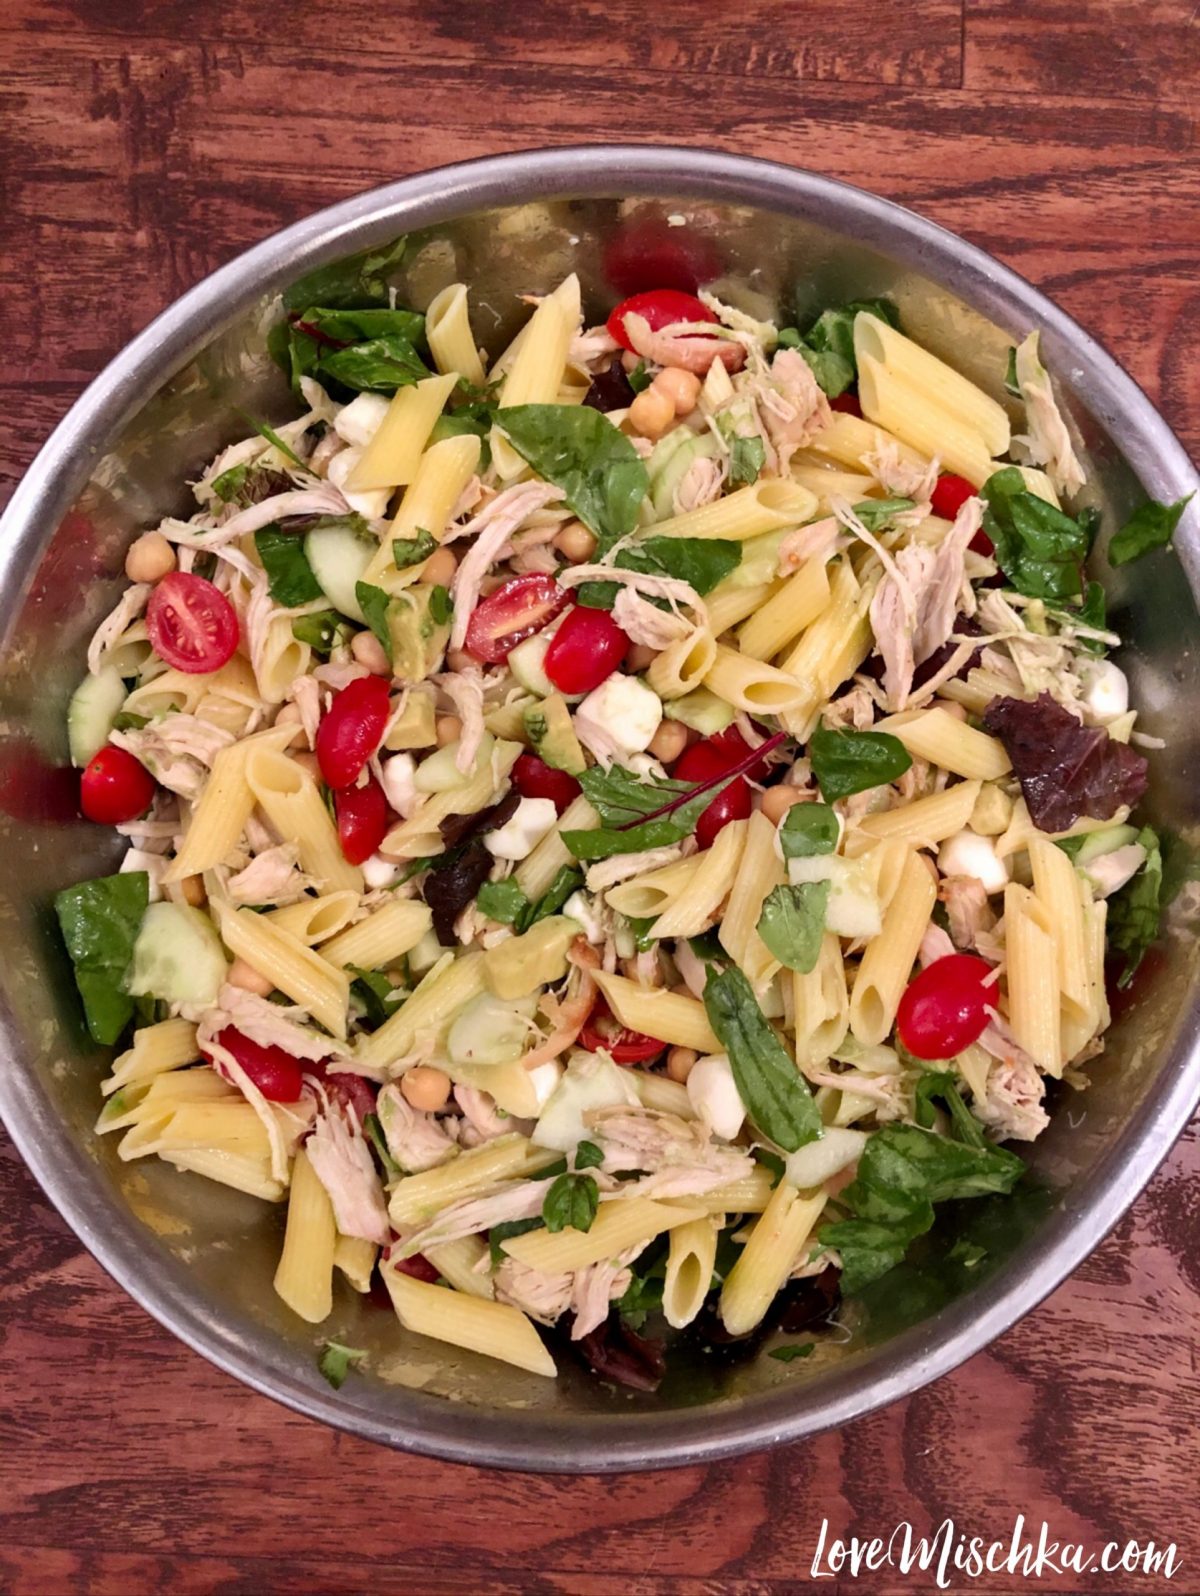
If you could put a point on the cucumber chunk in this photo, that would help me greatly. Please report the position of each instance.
(178, 956)
(339, 559)
(94, 705)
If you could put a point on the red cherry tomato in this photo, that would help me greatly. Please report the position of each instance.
(710, 758)
(847, 403)
(533, 778)
(418, 1266)
(278, 1076)
(649, 253)
(115, 787)
(661, 307)
(945, 1008)
(585, 651)
(950, 493)
(352, 730)
(516, 610)
(625, 1047)
(191, 623)
(362, 820)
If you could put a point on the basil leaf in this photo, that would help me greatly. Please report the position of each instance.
(828, 345)
(588, 1156)
(502, 900)
(375, 995)
(808, 830)
(323, 631)
(775, 1094)
(1040, 549)
(336, 1361)
(571, 1203)
(126, 720)
(877, 513)
(413, 551)
(700, 562)
(380, 365)
(846, 762)
(477, 420)
(792, 924)
(441, 606)
(643, 1296)
(598, 469)
(1012, 382)
(373, 602)
(903, 1172)
(788, 1354)
(100, 921)
(503, 1231)
(230, 483)
(1151, 527)
(290, 578)
(639, 379)
(358, 280)
(567, 881)
(746, 459)
(1134, 913)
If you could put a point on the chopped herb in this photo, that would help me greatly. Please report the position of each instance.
(504, 1231)
(336, 1362)
(290, 578)
(808, 830)
(588, 1156)
(374, 1132)
(788, 1354)
(875, 514)
(272, 438)
(441, 606)
(323, 632)
(639, 379)
(375, 995)
(746, 459)
(502, 900)
(126, 720)
(374, 603)
(1011, 381)
(413, 551)
(1151, 527)
(229, 484)
(772, 1162)
(1040, 549)
(571, 1203)
(846, 762)
(776, 1096)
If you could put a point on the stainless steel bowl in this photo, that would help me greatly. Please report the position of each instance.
(200, 1258)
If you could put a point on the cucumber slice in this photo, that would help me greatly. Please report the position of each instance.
(94, 705)
(177, 956)
(592, 1081)
(440, 772)
(339, 558)
(526, 662)
(1098, 843)
(489, 1031)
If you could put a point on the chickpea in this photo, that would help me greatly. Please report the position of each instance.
(440, 568)
(150, 558)
(776, 802)
(681, 387)
(449, 729)
(425, 1088)
(651, 413)
(248, 978)
(308, 763)
(369, 651)
(679, 1063)
(576, 542)
(289, 715)
(640, 658)
(668, 742)
(457, 659)
(191, 890)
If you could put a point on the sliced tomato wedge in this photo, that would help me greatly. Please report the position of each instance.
(352, 730)
(516, 610)
(362, 820)
(661, 307)
(604, 1030)
(191, 624)
(278, 1076)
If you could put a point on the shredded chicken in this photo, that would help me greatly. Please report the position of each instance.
(671, 346)
(132, 604)
(342, 1162)
(645, 623)
(482, 1120)
(305, 693)
(855, 709)
(907, 479)
(1048, 440)
(816, 541)
(543, 1296)
(679, 1154)
(321, 499)
(492, 530)
(464, 689)
(272, 1024)
(177, 750)
(590, 348)
(516, 1199)
(567, 1016)
(416, 1140)
(624, 866)
(967, 909)
(935, 945)
(272, 877)
(792, 404)
(593, 1288)
(700, 484)
(1013, 1105)
(913, 610)
(1109, 872)
(222, 1060)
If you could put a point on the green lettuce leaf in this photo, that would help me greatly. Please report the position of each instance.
(100, 920)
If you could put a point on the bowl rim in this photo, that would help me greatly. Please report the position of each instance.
(591, 1443)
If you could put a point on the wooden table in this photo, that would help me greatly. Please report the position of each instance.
(145, 145)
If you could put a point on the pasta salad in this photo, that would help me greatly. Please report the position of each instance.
(617, 832)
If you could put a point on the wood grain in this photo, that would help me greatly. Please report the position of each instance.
(143, 145)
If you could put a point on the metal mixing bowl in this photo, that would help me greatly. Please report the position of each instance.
(199, 1257)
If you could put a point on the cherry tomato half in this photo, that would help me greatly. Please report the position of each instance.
(191, 623)
(603, 1030)
(945, 1008)
(585, 651)
(950, 493)
(533, 778)
(847, 403)
(709, 758)
(278, 1076)
(362, 820)
(661, 307)
(516, 610)
(115, 787)
(352, 730)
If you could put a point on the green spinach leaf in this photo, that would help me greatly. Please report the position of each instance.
(746, 459)
(502, 900)
(580, 451)
(1040, 549)
(1151, 527)
(808, 830)
(374, 603)
(100, 921)
(846, 762)
(775, 1094)
(828, 345)
(290, 578)
(792, 924)
(336, 1362)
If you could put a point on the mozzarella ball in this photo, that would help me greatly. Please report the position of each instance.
(371, 504)
(1105, 691)
(969, 854)
(398, 788)
(523, 830)
(714, 1095)
(359, 421)
(621, 716)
